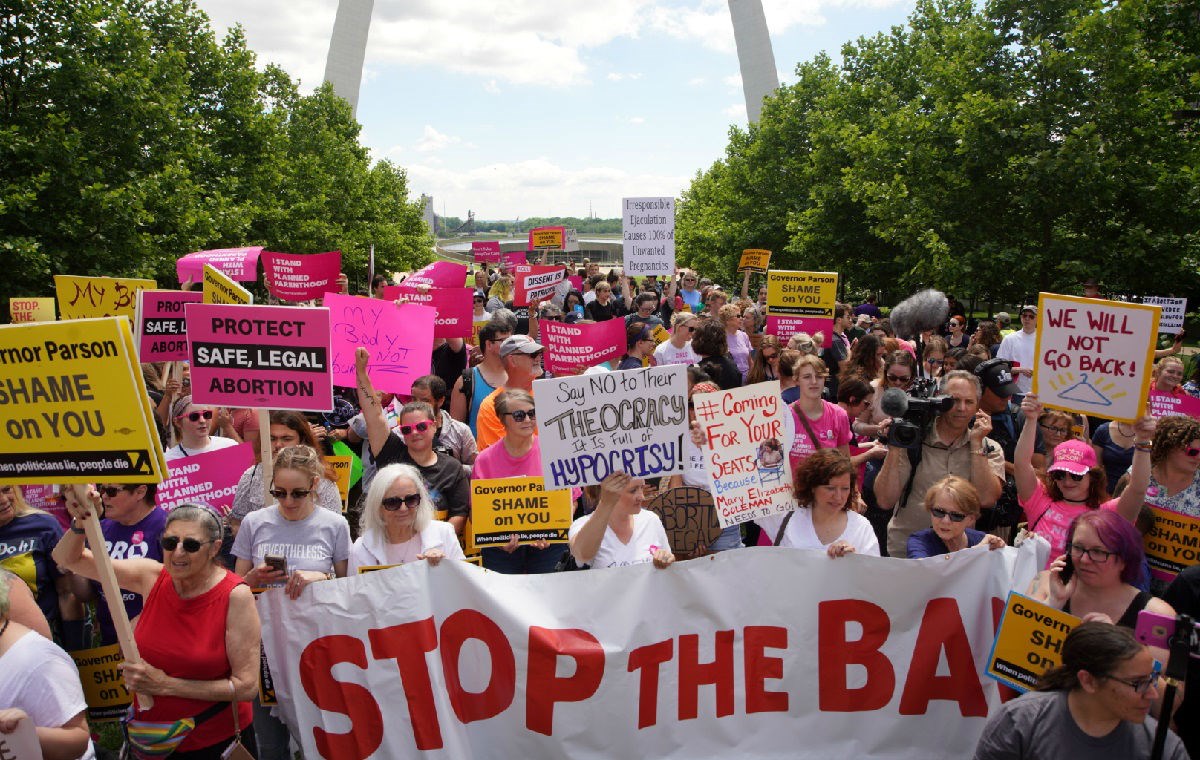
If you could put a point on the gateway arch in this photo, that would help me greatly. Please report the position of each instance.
(756, 60)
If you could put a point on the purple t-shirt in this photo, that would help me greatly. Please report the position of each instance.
(137, 541)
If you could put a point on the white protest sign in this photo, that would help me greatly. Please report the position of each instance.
(648, 232)
(1173, 310)
(22, 743)
(747, 436)
(632, 421)
(1094, 356)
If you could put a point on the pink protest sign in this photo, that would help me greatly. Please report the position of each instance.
(486, 251)
(570, 349)
(161, 327)
(786, 327)
(512, 260)
(261, 357)
(439, 274)
(400, 339)
(294, 278)
(535, 283)
(455, 309)
(1165, 404)
(239, 264)
(46, 498)
(210, 478)
(576, 282)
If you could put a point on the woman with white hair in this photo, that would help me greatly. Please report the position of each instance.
(397, 524)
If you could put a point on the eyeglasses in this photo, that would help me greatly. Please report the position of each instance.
(1061, 475)
(1058, 430)
(196, 416)
(110, 491)
(190, 545)
(522, 414)
(1140, 685)
(420, 427)
(899, 380)
(942, 514)
(1094, 553)
(393, 503)
(279, 494)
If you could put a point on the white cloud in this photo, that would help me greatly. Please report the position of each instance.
(491, 88)
(732, 81)
(637, 120)
(697, 82)
(433, 140)
(506, 190)
(736, 111)
(616, 76)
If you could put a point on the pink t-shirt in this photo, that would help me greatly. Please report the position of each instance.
(496, 462)
(1052, 519)
(832, 429)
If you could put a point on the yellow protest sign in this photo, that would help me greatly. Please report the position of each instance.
(810, 294)
(1173, 543)
(88, 297)
(73, 405)
(103, 685)
(547, 238)
(660, 335)
(341, 468)
(21, 310)
(503, 507)
(1028, 642)
(218, 288)
(754, 260)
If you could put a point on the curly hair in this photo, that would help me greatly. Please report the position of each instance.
(818, 470)
(709, 339)
(1174, 432)
(989, 334)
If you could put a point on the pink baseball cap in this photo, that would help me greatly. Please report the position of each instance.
(1073, 456)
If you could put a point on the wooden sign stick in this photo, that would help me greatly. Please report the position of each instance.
(112, 591)
(264, 450)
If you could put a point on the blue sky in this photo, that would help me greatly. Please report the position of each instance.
(540, 107)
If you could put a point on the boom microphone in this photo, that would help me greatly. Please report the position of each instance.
(894, 402)
(922, 311)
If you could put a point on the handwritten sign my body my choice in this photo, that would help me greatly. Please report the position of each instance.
(1173, 312)
(301, 278)
(1093, 356)
(504, 507)
(648, 235)
(89, 297)
(1173, 543)
(592, 425)
(240, 264)
(211, 478)
(747, 439)
(571, 348)
(73, 405)
(261, 357)
(160, 323)
(801, 302)
(399, 338)
(1028, 641)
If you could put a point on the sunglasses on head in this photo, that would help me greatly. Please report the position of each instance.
(521, 415)
(196, 416)
(190, 545)
(1063, 475)
(393, 503)
(297, 494)
(941, 514)
(420, 427)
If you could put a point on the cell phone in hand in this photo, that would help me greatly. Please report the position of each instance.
(276, 562)
(1068, 570)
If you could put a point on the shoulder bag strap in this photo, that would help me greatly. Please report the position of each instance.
(816, 442)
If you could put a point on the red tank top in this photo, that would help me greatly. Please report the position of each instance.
(185, 638)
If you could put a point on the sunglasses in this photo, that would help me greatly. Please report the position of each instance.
(197, 416)
(956, 324)
(935, 361)
(521, 415)
(1061, 475)
(900, 380)
(190, 545)
(393, 503)
(420, 427)
(279, 494)
(941, 514)
(109, 491)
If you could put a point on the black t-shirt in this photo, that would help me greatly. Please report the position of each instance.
(599, 312)
(448, 364)
(722, 370)
(1184, 595)
(448, 485)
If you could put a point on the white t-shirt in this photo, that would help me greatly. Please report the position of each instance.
(667, 354)
(1019, 348)
(215, 442)
(694, 474)
(41, 679)
(648, 537)
(800, 533)
(314, 543)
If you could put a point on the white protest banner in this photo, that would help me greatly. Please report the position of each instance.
(648, 232)
(632, 421)
(1094, 356)
(862, 656)
(22, 743)
(1173, 311)
(747, 434)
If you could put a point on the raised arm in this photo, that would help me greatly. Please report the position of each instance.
(136, 575)
(372, 410)
(585, 544)
(1023, 472)
(1132, 498)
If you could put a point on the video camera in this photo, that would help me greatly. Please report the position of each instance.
(913, 413)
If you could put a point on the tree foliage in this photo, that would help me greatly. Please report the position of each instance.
(992, 150)
(130, 135)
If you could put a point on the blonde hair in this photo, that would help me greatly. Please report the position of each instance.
(302, 459)
(810, 360)
(960, 489)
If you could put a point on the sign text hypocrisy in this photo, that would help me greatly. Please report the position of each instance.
(700, 660)
(592, 425)
(262, 357)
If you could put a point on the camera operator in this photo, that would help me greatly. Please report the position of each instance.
(956, 443)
